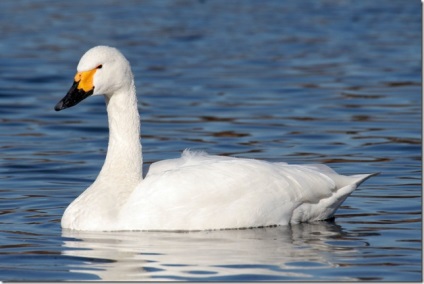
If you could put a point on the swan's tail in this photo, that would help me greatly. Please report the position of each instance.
(327, 207)
(334, 201)
(356, 180)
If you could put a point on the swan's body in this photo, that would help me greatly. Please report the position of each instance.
(194, 192)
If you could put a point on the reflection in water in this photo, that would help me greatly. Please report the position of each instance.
(237, 254)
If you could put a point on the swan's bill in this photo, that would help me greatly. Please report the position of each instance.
(81, 88)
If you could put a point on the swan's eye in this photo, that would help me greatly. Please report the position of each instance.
(100, 66)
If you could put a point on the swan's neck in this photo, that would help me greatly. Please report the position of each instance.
(123, 163)
(121, 172)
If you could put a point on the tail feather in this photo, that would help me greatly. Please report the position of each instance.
(327, 207)
(363, 177)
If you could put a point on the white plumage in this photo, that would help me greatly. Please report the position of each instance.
(195, 192)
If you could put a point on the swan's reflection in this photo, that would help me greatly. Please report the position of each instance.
(274, 253)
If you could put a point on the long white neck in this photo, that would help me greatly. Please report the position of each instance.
(124, 158)
(121, 171)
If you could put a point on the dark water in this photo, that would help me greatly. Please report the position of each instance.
(335, 82)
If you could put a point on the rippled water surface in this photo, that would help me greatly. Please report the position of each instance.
(335, 82)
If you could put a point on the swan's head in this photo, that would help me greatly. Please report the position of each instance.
(102, 70)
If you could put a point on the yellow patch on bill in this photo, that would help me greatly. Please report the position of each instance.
(85, 80)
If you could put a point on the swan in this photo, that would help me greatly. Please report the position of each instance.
(194, 192)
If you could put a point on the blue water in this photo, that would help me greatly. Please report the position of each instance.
(317, 81)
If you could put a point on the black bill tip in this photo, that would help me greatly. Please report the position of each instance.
(59, 106)
(73, 97)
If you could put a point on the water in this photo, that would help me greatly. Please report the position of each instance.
(335, 82)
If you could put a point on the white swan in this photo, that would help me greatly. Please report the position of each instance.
(194, 192)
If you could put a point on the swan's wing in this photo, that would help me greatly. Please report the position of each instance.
(208, 192)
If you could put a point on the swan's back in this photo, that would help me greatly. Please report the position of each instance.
(200, 192)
